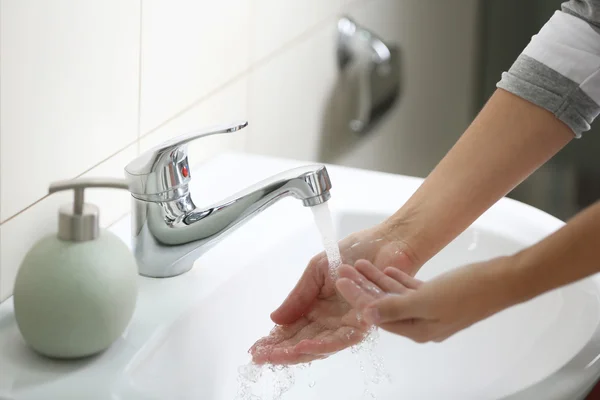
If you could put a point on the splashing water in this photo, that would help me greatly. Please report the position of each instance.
(252, 378)
(373, 369)
(248, 375)
(324, 223)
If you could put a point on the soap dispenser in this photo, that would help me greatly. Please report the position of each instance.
(75, 291)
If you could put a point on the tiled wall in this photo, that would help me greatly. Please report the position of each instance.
(86, 85)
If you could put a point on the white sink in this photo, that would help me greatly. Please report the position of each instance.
(190, 333)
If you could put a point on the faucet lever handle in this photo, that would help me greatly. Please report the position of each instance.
(155, 171)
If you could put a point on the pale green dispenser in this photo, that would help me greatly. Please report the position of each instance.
(76, 291)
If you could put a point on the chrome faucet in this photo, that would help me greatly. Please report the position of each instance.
(169, 232)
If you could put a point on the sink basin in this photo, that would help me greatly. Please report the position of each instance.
(496, 358)
(189, 335)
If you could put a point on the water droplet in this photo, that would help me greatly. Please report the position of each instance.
(312, 384)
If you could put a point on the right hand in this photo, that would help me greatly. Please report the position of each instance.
(314, 321)
(439, 308)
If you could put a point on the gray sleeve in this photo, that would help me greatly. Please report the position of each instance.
(560, 68)
(587, 10)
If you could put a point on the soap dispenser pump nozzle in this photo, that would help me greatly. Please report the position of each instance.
(79, 222)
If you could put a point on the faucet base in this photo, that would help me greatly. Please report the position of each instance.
(173, 271)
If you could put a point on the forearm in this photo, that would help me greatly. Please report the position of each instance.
(508, 140)
(550, 94)
(570, 254)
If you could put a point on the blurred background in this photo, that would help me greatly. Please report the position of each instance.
(87, 85)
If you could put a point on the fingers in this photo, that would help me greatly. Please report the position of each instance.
(355, 295)
(301, 297)
(403, 278)
(278, 334)
(263, 343)
(418, 330)
(374, 274)
(306, 350)
(421, 330)
(346, 271)
(332, 343)
(391, 308)
(360, 286)
(283, 355)
(300, 359)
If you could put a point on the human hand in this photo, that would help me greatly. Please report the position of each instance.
(314, 321)
(430, 311)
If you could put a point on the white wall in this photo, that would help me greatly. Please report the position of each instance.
(86, 85)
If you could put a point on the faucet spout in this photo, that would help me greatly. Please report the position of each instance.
(170, 234)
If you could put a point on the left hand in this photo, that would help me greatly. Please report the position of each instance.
(427, 311)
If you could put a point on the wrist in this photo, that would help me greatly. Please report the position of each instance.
(403, 236)
(407, 227)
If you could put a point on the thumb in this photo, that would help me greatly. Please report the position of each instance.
(301, 297)
(391, 308)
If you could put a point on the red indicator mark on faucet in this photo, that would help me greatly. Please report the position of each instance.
(185, 172)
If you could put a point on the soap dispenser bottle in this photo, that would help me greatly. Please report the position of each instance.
(75, 291)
